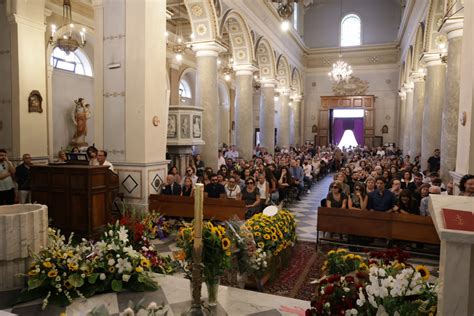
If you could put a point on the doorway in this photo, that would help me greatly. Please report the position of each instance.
(347, 127)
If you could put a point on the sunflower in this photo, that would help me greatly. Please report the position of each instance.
(228, 253)
(145, 262)
(363, 266)
(267, 230)
(256, 227)
(67, 285)
(257, 234)
(273, 229)
(47, 264)
(424, 272)
(348, 256)
(139, 269)
(341, 250)
(266, 236)
(111, 269)
(261, 244)
(73, 266)
(331, 252)
(225, 243)
(53, 273)
(33, 272)
(274, 237)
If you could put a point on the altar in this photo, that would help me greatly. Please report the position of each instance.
(175, 293)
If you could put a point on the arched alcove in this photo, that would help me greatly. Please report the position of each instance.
(186, 87)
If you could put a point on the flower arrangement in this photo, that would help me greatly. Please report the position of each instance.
(63, 271)
(378, 284)
(275, 233)
(216, 253)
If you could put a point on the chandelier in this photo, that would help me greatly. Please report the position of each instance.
(341, 71)
(227, 69)
(285, 11)
(72, 39)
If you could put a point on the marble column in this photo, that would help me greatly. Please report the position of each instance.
(29, 130)
(401, 120)
(449, 126)
(417, 114)
(207, 97)
(297, 120)
(408, 118)
(98, 7)
(284, 124)
(244, 110)
(267, 115)
(434, 98)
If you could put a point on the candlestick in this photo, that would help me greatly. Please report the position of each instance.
(196, 281)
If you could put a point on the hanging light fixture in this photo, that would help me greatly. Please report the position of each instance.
(177, 42)
(228, 69)
(285, 11)
(71, 40)
(341, 71)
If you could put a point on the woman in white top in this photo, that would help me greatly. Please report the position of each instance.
(263, 188)
(232, 189)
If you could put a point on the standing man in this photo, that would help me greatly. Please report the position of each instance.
(7, 186)
(434, 161)
(381, 200)
(23, 178)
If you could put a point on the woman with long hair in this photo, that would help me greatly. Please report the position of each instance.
(251, 196)
(359, 198)
(336, 197)
(187, 189)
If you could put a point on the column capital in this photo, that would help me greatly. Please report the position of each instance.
(408, 86)
(246, 69)
(269, 83)
(211, 48)
(430, 59)
(418, 76)
(453, 27)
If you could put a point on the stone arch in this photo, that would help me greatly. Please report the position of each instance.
(296, 83)
(203, 19)
(435, 14)
(189, 75)
(265, 59)
(283, 72)
(418, 49)
(240, 37)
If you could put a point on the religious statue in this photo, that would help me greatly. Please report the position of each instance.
(196, 126)
(80, 115)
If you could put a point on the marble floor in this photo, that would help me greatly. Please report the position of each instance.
(174, 293)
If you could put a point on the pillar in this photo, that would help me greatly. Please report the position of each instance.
(401, 120)
(207, 97)
(284, 126)
(267, 115)
(29, 130)
(434, 98)
(408, 118)
(244, 130)
(135, 95)
(465, 148)
(417, 114)
(98, 106)
(449, 126)
(297, 120)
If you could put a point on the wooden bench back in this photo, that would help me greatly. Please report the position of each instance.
(183, 206)
(377, 224)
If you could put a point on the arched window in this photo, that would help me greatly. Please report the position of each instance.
(350, 30)
(184, 90)
(75, 62)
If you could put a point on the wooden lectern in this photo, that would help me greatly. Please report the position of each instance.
(79, 198)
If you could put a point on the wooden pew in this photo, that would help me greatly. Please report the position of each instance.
(377, 224)
(183, 206)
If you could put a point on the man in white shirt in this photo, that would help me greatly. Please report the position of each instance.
(232, 153)
(190, 173)
(102, 159)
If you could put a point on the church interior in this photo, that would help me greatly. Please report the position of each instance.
(236, 157)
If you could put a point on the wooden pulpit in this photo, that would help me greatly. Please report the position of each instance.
(79, 198)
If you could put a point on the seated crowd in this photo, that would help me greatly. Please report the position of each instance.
(378, 179)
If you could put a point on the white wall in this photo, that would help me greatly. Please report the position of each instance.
(380, 21)
(68, 87)
(383, 83)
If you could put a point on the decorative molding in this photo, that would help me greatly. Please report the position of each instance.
(113, 37)
(355, 86)
(114, 94)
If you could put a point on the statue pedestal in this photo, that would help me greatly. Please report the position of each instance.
(456, 295)
(23, 227)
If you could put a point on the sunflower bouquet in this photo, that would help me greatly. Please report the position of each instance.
(275, 233)
(63, 270)
(216, 252)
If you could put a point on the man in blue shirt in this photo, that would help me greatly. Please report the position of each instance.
(297, 173)
(381, 200)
